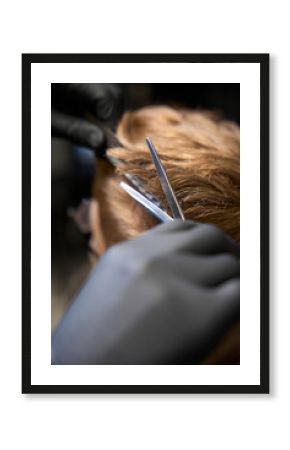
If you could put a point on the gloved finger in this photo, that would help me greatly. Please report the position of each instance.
(169, 227)
(228, 293)
(185, 237)
(77, 130)
(203, 239)
(201, 270)
(103, 100)
(194, 236)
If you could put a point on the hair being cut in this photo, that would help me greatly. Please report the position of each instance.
(201, 154)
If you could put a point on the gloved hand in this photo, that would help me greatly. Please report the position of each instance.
(71, 102)
(163, 298)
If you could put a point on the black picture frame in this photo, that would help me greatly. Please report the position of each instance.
(263, 61)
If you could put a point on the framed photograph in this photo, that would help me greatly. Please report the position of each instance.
(113, 299)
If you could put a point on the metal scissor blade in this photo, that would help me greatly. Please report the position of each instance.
(165, 183)
(150, 206)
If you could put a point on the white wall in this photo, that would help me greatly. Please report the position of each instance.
(143, 422)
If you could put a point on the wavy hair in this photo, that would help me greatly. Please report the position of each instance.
(201, 153)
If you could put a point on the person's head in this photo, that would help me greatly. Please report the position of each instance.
(200, 152)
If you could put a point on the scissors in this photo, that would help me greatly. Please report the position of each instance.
(148, 201)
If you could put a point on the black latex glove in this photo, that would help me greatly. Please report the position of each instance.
(72, 102)
(163, 298)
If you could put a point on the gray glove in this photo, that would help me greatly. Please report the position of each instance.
(163, 298)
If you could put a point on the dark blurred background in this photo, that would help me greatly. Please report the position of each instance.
(218, 96)
(73, 169)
